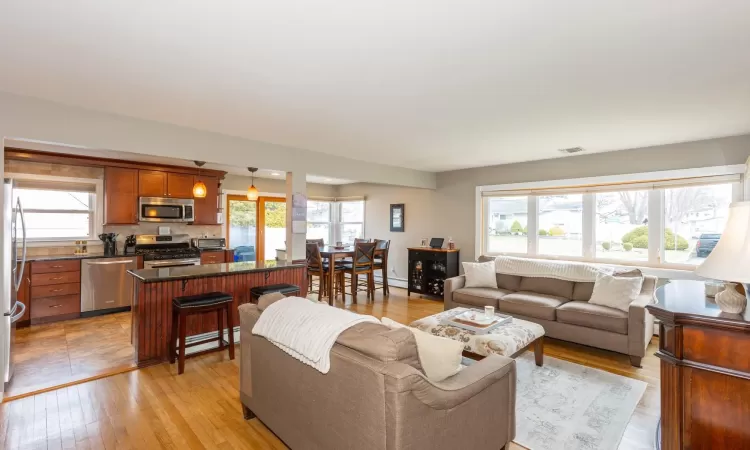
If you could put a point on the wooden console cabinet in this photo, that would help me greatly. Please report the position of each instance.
(705, 370)
(429, 268)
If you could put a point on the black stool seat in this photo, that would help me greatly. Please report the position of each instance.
(221, 303)
(207, 299)
(282, 287)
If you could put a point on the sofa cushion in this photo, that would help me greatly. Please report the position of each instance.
(479, 297)
(439, 356)
(548, 286)
(380, 342)
(509, 282)
(582, 291)
(531, 304)
(593, 316)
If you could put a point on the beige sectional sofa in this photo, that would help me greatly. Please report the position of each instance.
(562, 308)
(375, 395)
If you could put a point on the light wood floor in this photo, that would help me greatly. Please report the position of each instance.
(64, 352)
(155, 408)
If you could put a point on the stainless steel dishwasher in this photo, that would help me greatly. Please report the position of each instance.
(105, 284)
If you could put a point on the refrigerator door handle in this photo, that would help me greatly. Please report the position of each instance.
(14, 317)
(23, 252)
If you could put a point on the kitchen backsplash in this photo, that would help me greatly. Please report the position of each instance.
(151, 228)
(124, 230)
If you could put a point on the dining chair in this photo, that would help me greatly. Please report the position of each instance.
(319, 242)
(362, 264)
(381, 263)
(317, 267)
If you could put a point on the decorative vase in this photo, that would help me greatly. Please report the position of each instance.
(731, 301)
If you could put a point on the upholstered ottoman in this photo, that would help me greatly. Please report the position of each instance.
(508, 340)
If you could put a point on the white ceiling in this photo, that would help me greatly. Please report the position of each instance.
(424, 84)
(128, 156)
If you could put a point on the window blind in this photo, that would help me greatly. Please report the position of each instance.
(56, 185)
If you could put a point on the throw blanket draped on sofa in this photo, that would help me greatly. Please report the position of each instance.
(561, 270)
(306, 330)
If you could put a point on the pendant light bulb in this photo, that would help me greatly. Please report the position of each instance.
(199, 188)
(252, 191)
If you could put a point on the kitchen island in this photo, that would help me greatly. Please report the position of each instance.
(154, 290)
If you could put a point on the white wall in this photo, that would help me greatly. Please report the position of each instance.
(418, 220)
(34, 119)
(272, 186)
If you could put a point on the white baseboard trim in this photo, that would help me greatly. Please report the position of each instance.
(209, 345)
(398, 282)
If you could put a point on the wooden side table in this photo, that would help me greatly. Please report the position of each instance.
(705, 370)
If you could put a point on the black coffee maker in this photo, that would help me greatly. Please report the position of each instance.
(130, 245)
(110, 243)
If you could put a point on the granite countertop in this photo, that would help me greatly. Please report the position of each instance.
(209, 270)
(61, 257)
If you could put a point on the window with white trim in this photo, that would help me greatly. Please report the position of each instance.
(351, 220)
(319, 223)
(335, 220)
(671, 222)
(57, 211)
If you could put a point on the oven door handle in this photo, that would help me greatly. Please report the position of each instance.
(161, 266)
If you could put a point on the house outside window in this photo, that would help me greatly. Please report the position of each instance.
(673, 222)
(335, 220)
(57, 210)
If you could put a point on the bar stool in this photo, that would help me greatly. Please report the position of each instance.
(182, 307)
(286, 289)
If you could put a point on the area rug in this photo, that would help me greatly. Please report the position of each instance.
(567, 406)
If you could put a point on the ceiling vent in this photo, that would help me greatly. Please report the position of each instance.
(571, 150)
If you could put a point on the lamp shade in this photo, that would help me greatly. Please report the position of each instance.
(730, 259)
(252, 193)
(199, 189)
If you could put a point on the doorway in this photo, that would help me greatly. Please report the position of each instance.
(256, 229)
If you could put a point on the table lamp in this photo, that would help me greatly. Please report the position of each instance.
(730, 260)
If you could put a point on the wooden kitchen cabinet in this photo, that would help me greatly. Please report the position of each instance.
(179, 185)
(120, 196)
(55, 290)
(152, 183)
(207, 209)
(24, 296)
(213, 257)
(155, 183)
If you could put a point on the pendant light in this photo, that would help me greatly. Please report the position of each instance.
(252, 191)
(199, 188)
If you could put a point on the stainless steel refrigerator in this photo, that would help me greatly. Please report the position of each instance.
(14, 236)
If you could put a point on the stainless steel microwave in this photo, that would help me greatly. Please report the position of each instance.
(159, 209)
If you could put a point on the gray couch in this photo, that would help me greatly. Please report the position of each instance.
(375, 395)
(562, 308)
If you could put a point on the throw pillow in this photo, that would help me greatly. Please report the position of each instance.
(440, 357)
(480, 274)
(264, 301)
(615, 292)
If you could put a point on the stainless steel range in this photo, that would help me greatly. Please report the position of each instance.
(161, 251)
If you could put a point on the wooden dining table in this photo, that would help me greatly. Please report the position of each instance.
(332, 253)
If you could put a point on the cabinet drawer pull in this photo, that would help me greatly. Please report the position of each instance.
(56, 278)
(55, 306)
(57, 267)
(57, 290)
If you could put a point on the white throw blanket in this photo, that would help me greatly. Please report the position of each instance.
(561, 270)
(306, 330)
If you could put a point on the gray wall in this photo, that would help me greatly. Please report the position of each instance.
(454, 200)
(418, 221)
